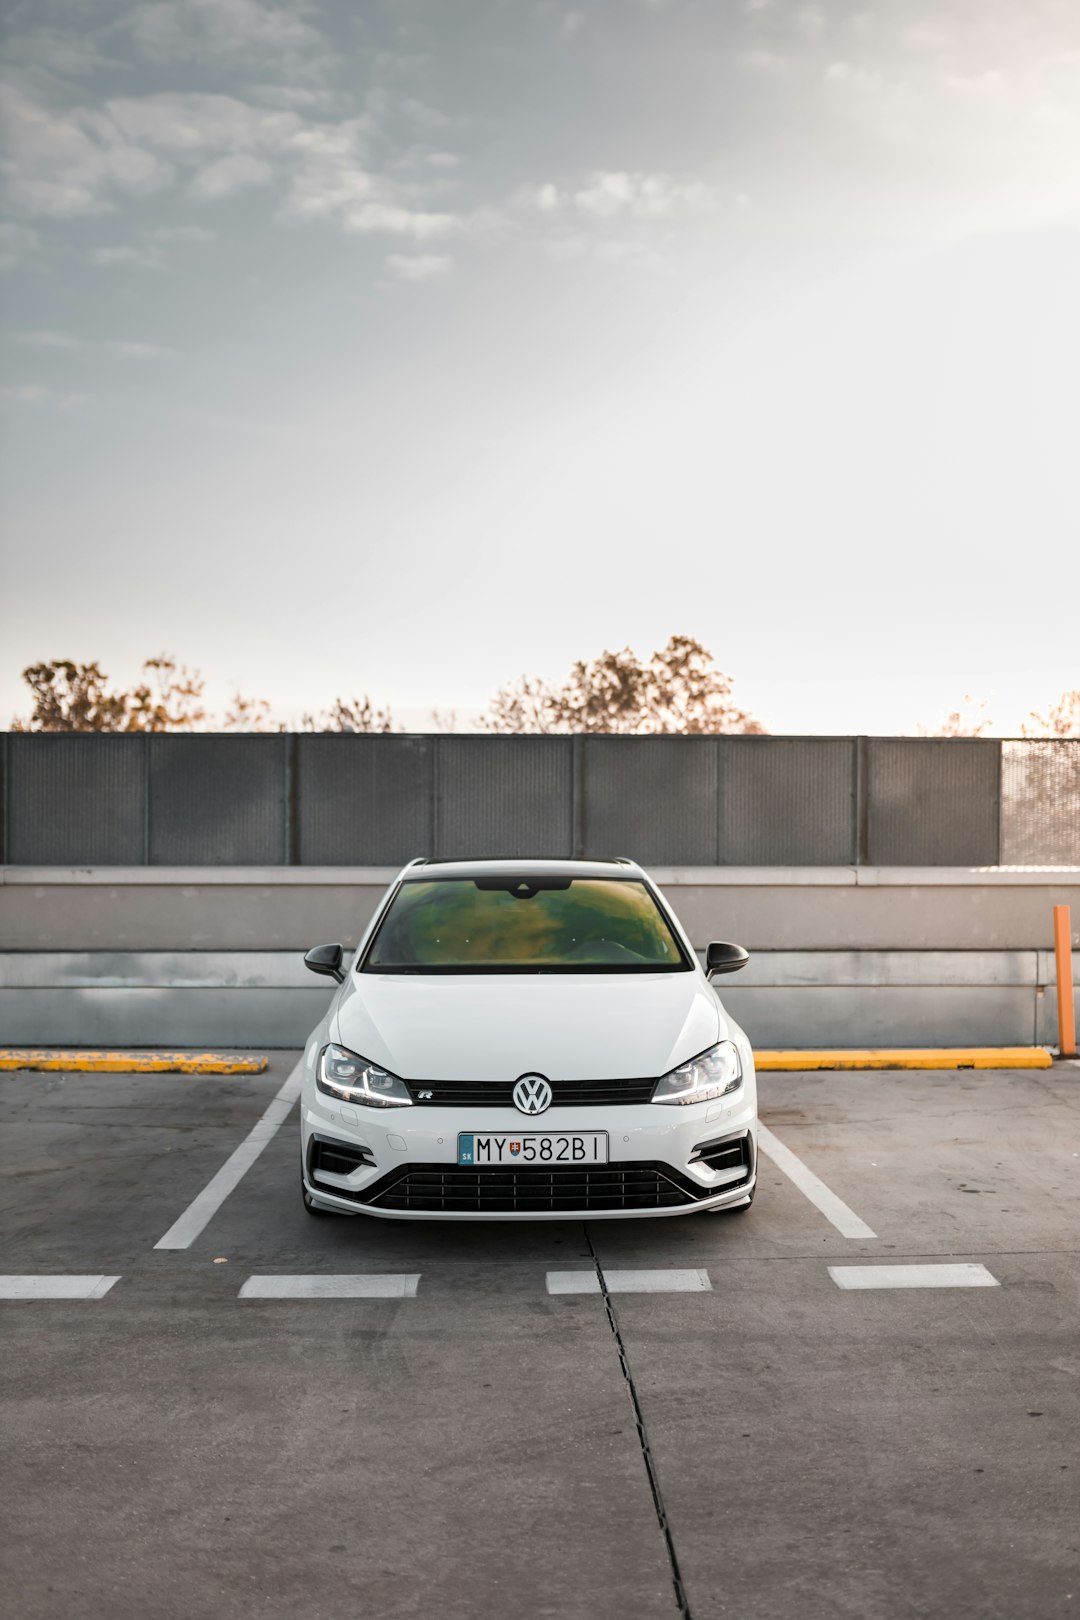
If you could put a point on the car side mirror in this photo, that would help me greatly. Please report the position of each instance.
(724, 958)
(326, 959)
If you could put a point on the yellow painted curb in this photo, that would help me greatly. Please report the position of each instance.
(931, 1057)
(131, 1062)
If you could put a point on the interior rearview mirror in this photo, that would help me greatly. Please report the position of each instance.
(724, 958)
(326, 959)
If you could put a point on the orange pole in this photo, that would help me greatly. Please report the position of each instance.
(1063, 969)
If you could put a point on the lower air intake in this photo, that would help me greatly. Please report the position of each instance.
(450, 1189)
(338, 1158)
(731, 1154)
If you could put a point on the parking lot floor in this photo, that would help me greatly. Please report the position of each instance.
(767, 1445)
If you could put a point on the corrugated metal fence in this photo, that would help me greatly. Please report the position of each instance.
(340, 800)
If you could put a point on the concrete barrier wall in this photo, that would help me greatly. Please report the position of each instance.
(782, 998)
(764, 908)
(842, 956)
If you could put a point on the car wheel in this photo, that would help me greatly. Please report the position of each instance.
(311, 1206)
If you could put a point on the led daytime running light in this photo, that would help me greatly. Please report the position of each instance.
(348, 1077)
(714, 1073)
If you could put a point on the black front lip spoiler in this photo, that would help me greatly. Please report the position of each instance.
(364, 1201)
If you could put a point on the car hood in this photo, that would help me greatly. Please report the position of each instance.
(499, 1026)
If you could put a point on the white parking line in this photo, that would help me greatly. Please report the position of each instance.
(183, 1232)
(573, 1282)
(834, 1209)
(950, 1276)
(629, 1282)
(55, 1287)
(362, 1285)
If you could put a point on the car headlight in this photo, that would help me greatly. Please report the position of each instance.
(713, 1074)
(342, 1074)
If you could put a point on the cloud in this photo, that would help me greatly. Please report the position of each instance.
(423, 116)
(80, 161)
(418, 267)
(16, 241)
(612, 215)
(811, 21)
(48, 399)
(299, 97)
(228, 174)
(568, 248)
(66, 164)
(771, 64)
(137, 258)
(542, 199)
(371, 218)
(323, 169)
(861, 79)
(47, 340)
(122, 348)
(50, 54)
(614, 194)
(196, 122)
(140, 351)
(180, 233)
(234, 31)
(977, 84)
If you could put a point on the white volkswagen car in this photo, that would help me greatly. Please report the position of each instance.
(529, 1040)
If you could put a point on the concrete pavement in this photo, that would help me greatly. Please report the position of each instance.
(771, 1446)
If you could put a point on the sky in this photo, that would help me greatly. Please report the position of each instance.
(407, 346)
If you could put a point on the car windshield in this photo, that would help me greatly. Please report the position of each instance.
(524, 923)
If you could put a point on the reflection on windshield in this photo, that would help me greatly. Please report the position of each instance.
(524, 925)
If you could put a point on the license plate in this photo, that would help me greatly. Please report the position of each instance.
(536, 1148)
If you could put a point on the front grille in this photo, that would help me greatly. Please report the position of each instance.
(500, 1093)
(449, 1189)
(339, 1158)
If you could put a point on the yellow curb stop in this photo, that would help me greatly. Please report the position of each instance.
(130, 1062)
(931, 1057)
(975, 1057)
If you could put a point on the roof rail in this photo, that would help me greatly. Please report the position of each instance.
(417, 860)
(623, 860)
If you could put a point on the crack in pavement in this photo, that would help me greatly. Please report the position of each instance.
(682, 1602)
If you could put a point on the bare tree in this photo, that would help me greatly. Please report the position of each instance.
(971, 719)
(525, 705)
(169, 698)
(355, 715)
(71, 697)
(1062, 719)
(76, 697)
(677, 691)
(249, 714)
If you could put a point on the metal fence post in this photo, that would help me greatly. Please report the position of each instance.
(1063, 972)
(862, 803)
(577, 790)
(5, 778)
(146, 800)
(292, 800)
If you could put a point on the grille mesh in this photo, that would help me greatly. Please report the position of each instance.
(445, 1188)
(499, 1093)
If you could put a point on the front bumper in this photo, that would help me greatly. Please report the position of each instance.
(411, 1170)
